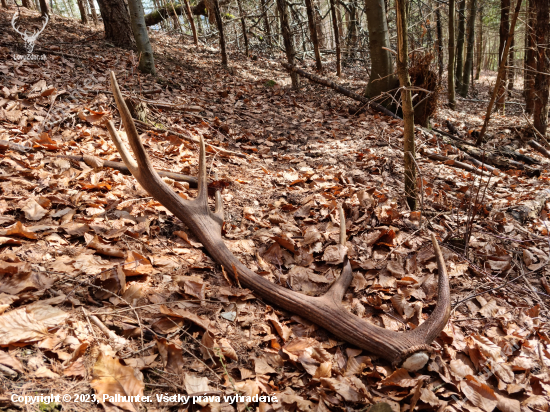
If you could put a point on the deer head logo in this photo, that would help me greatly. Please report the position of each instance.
(29, 38)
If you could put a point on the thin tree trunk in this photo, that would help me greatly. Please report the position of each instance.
(27, 4)
(266, 23)
(401, 8)
(530, 58)
(503, 35)
(336, 38)
(4, 4)
(44, 8)
(502, 72)
(460, 43)
(137, 19)
(94, 12)
(511, 64)
(381, 76)
(191, 22)
(83, 14)
(542, 81)
(451, 64)
(289, 43)
(479, 42)
(439, 42)
(313, 33)
(117, 23)
(469, 63)
(219, 23)
(243, 24)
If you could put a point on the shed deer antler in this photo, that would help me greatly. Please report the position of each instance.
(407, 348)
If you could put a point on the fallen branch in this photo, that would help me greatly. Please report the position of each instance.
(539, 148)
(121, 167)
(455, 163)
(447, 138)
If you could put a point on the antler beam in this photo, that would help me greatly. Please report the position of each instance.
(407, 348)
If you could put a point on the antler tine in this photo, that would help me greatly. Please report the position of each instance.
(327, 310)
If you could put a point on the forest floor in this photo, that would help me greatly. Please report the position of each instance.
(84, 247)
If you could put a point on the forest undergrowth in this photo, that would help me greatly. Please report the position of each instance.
(102, 289)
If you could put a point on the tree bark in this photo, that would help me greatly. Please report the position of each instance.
(479, 42)
(336, 38)
(94, 12)
(451, 64)
(83, 14)
(313, 34)
(243, 24)
(542, 81)
(191, 22)
(146, 58)
(289, 43)
(401, 9)
(460, 43)
(219, 23)
(4, 4)
(511, 64)
(439, 42)
(266, 22)
(381, 76)
(44, 8)
(503, 35)
(117, 23)
(27, 4)
(468, 64)
(530, 58)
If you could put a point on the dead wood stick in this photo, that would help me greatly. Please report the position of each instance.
(500, 75)
(455, 163)
(539, 148)
(144, 92)
(5, 145)
(479, 164)
(189, 139)
(121, 167)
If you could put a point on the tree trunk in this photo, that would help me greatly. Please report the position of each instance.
(468, 64)
(530, 59)
(191, 22)
(351, 41)
(137, 18)
(451, 65)
(289, 43)
(336, 38)
(460, 43)
(83, 14)
(479, 42)
(243, 24)
(318, 25)
(511, 63)
(44, 8)
(117, 23)
(219, 23)
(542, 81)
(27, 4)
(381, 76)
(94, 12)
(4, 4)
(503, 35)
(439, 42)
(266, 23)
(313, 33)
(401, 9)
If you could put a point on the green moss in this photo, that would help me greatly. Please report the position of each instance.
(270, 83)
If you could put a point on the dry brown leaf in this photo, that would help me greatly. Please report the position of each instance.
(283, 330)
(478, 393)
(195, 384)
(9, 361)
(17, 229)
(76, 368)
(105, 248)
(18, 326)
(171, 355)
(137, 265)
(401, 378)
(141, 363)
(33, 211)
(110, 377)
(44, 372)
